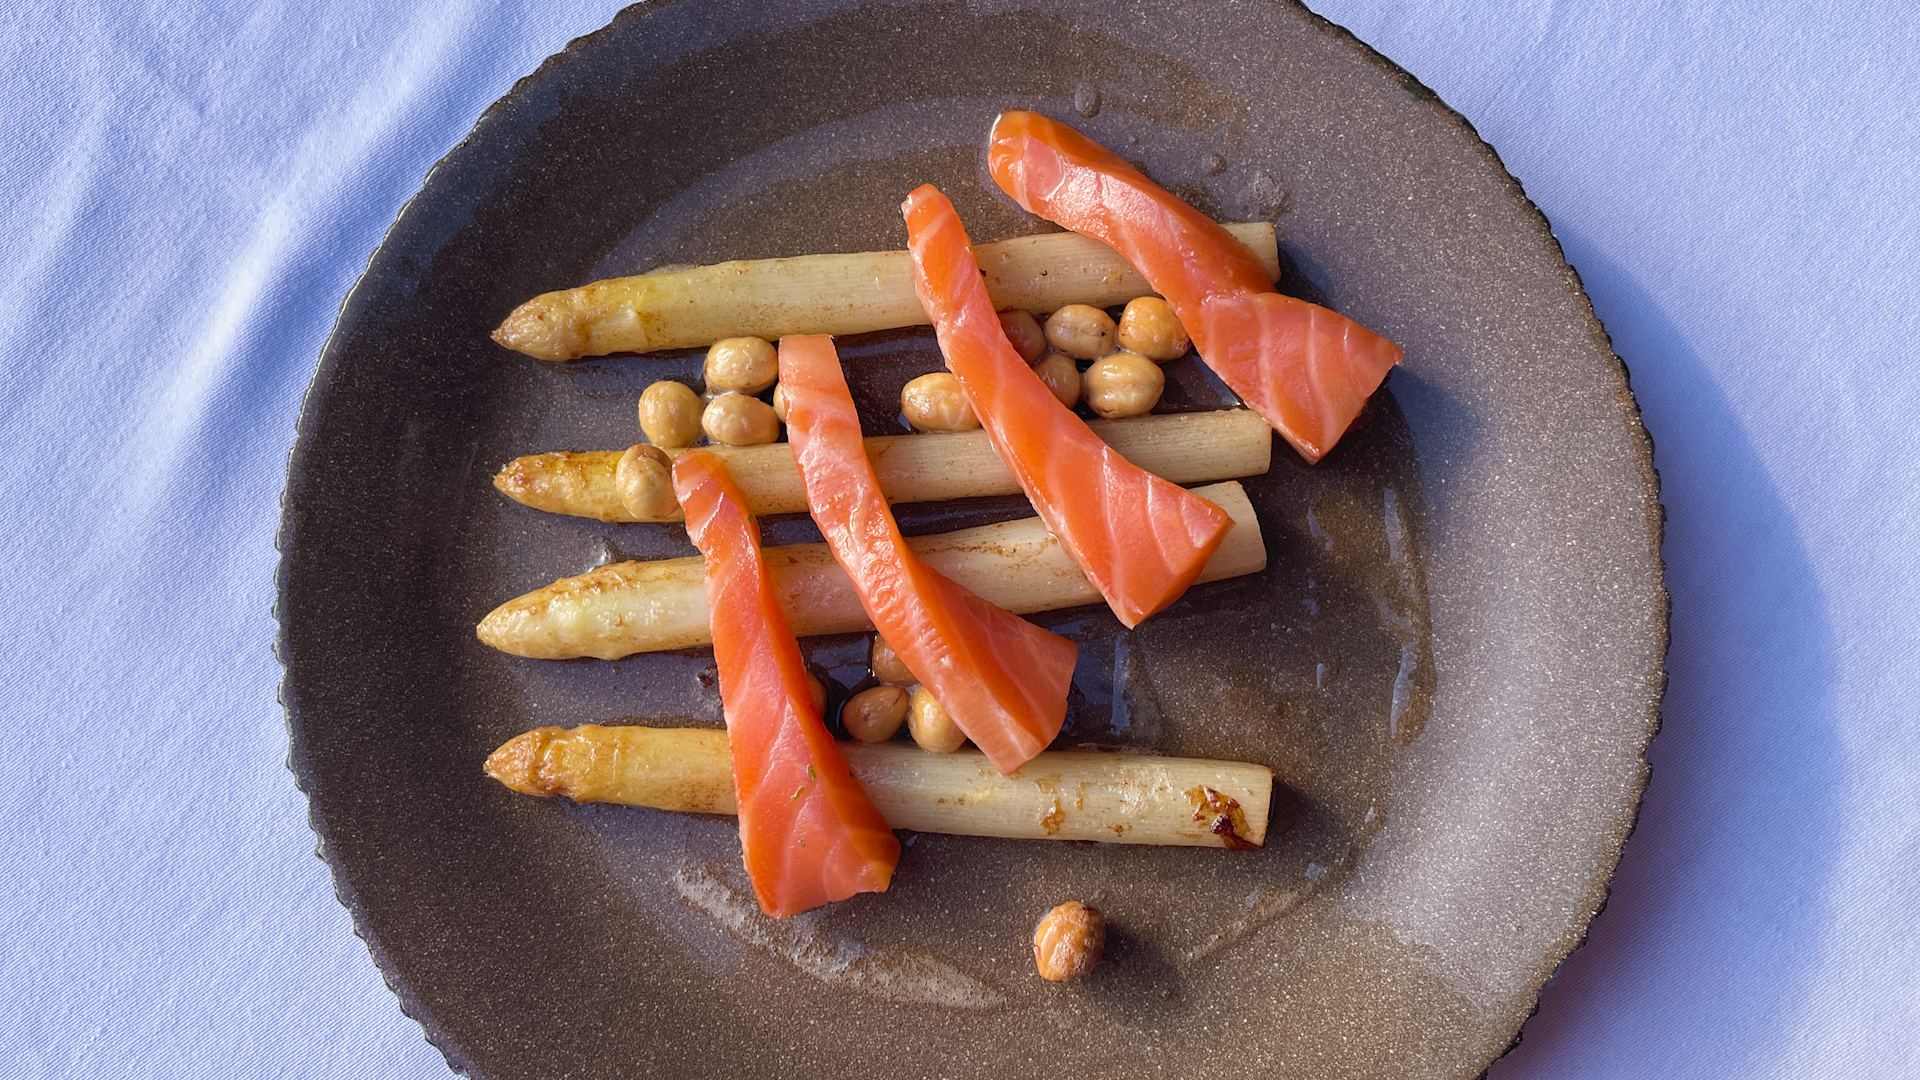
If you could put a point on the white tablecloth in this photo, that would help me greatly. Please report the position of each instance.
(190, 189)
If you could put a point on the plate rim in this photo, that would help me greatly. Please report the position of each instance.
(360, 296)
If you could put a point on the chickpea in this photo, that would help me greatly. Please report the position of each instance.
(874, 714)
(779, 403)
(887, 665)
(818, 691)
(1149, 327)
(644, 479)
(1061, 375)
(1123, 384)
(745, 364)
(670, 414)
(936, 403)
(1068, 941)
(1023, 331)
(931, 726)
(1081, 331)
(738, 420)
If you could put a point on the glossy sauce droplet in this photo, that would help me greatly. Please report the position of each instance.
(1223, 816)
(1264, 198)
(1319, 533)
(1402, 724)
(1086, 100)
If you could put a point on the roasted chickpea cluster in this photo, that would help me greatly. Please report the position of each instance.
(1081, 354)
(737, 374)
(877, 713)
(1122, 359)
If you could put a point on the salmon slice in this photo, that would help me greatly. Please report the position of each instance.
(1002, 679)
(809, 833)
(1138, 538)
(1306, 369)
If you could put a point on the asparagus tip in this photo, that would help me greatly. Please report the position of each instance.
(517, 762)
(512, 480)
(536, 329)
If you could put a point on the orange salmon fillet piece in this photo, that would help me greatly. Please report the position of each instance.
(809, 833)
(1138, 538)
(1306, 369)
(1002, 679)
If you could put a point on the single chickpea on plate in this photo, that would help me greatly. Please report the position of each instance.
(935, 402)
(1068, 941)
(1082, 331)
(875, 714)
(1123, 384)
(818, 691)
(670, 414)
(644, 480)
(887, 665)
(1024, 333)
(1150, 328)
(930, 724)
(748, 365)
(735, 419)
(1061, 376)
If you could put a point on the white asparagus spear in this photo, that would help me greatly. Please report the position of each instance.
(820, 294)
(1186, 448)
(1059, 795)
(634, 607)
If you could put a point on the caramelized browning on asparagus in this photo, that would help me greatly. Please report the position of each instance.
(1059, 795)
(636, 607)
(819, 294)
(1186, 448)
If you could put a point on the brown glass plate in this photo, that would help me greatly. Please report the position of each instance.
(1453, 661)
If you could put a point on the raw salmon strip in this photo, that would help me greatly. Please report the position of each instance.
(1002, 679)
(808, 830)
(1306, 369)
(1138, 538)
